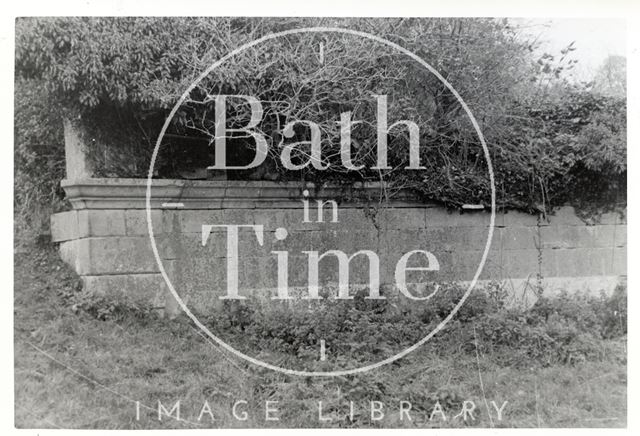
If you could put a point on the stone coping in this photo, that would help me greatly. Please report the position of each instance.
(120, 193)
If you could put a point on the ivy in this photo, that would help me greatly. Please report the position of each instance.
(551, 142)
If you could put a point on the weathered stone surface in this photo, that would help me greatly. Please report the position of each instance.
(566, 216)
(64, 226)
(116, 255)
(566, 236)
(77, 164)
(299, 241)
(585, 261)
(611, 218)
(136, 222)
(191, 221)
(113, 242)
(471, 218)
(463, 265)
(519, 219)
(237, 216)
(298, 270)
(273, 219)
(439, 217)
(189, 245)
(142, 290)
(101, 223)
(198, 282)
(527, 263)
(355, 218)
(401, 218)
(521, 237)
(69, 253)
(608, 235)
(474, 238)
(620, 235)
(619, 261)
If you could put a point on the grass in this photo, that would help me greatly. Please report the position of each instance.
(75, 371)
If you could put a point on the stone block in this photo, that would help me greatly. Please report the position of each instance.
(357, 218)
(191, 221)
(273, 219)
(604, 236)
(299, 241)
(439, 217)
(69, 253)
(238, 216)
(142, 290)
(471, 218)
(520, 219)
(567, 236)
(435, 239)
(298, 270)
(620, 235)
(618, 264)
(449, 269)
(198, 279)
(136, 222)
(64, 226)
(189, 246)
(114, 255)
(101, 222)
(251, 274)
(463, 265)
(78, 166)
(408, 218)
(395, 243)
(473, 238)
(520, 238)
(521, 263)
(565, 216)
(579, 262)
(172, 220)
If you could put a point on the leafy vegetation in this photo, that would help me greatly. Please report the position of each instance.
(560, 329)
(38, 159)
(563, 364)
(552, 141)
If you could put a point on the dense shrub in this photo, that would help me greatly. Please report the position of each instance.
(106, 307)
(38, 159)
(551, 142)
(560, 329)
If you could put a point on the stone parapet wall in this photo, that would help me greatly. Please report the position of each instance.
(105, 238)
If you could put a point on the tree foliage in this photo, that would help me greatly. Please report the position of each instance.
(38, 157)
(551, 142)
(611, 77)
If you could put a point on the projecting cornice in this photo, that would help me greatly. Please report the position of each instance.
(116, 193)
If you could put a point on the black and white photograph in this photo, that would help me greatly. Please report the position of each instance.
(318, 221)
